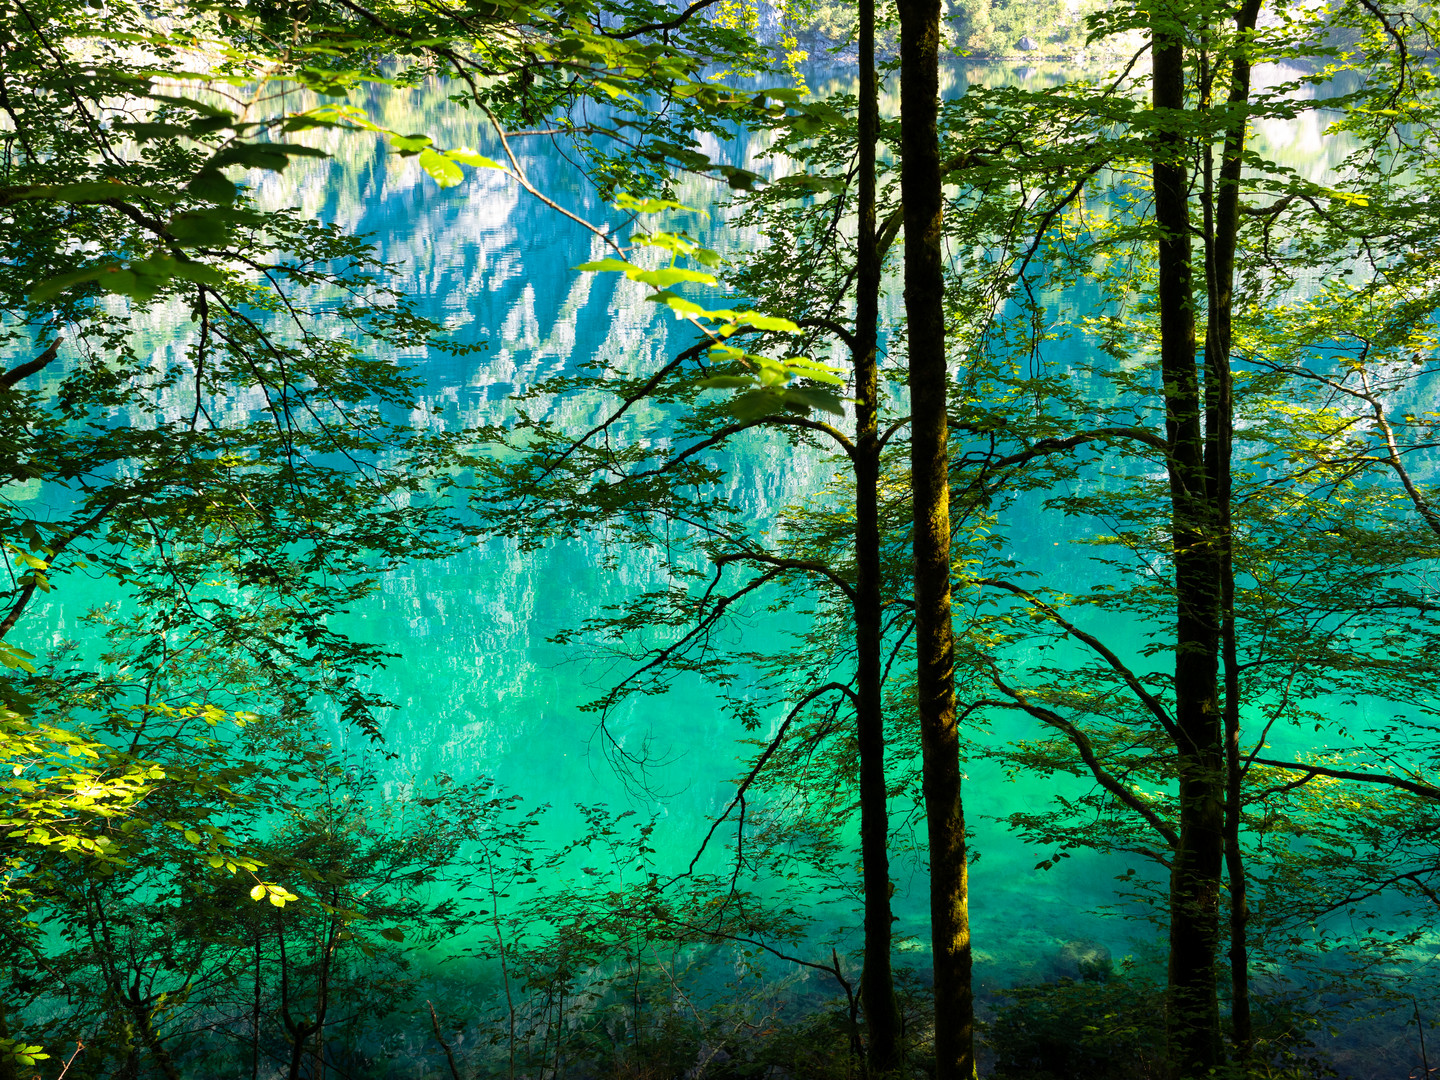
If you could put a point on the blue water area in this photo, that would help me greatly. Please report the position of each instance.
(479, 688)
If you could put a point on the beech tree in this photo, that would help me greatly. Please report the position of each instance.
(921, 178)
(642, 494)
(588, 481)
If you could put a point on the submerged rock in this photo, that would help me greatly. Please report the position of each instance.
(1083, 961)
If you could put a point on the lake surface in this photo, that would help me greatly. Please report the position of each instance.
(482, 692)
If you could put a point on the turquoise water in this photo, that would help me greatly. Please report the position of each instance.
(479, 690)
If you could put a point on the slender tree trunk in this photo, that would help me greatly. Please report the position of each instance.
(920, 184)
(559, 1029)
(877, 987)
(504, 969)
(1242, 1026)
(141, 1011)
(1192, 1013)
(322, 1006)
(1220, 433)
(255, 1017)
(125, 998)
(298, 1031)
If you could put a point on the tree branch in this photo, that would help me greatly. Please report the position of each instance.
(1415, 787)
(809, 566)
(770, 749)
(1086, 750)
(1149, 700)
(15, 374)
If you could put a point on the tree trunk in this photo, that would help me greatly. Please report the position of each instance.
(1242, 1026)
(141, 1013)
(1219, 407)
(877, 988)
(1192, 1013)
(255, 1014)
(920, 184)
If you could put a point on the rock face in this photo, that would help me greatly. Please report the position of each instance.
(1083, 961)
(1027, 44)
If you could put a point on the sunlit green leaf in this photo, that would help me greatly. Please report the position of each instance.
(441, 169)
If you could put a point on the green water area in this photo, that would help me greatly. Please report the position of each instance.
(484, 694)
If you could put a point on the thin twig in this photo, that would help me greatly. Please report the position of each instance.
(435, 1023)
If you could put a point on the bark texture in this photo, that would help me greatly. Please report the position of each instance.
(920, 182)
(877, 987)
(1219, 406)
(1192, 1012)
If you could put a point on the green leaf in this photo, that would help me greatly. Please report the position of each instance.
(16, 659)
(140, 281)
(670, 275)
(328, 82)
(211, 185)
(659, 149)
(466, 156)
(766, 322)
(607, 264)
(677, 244)
(787, 95)
(441, 169)
(302, 122)
(807, 182)
(196, 272)
(200, 228)
(613, 88)
(52, 287)
(688, 309)
(393, 933)
(755, 404)
(410, 144)
(812, 369)
(146, 132)
(739, 179)
(272, 156)
(630, 204)
(807, 398)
